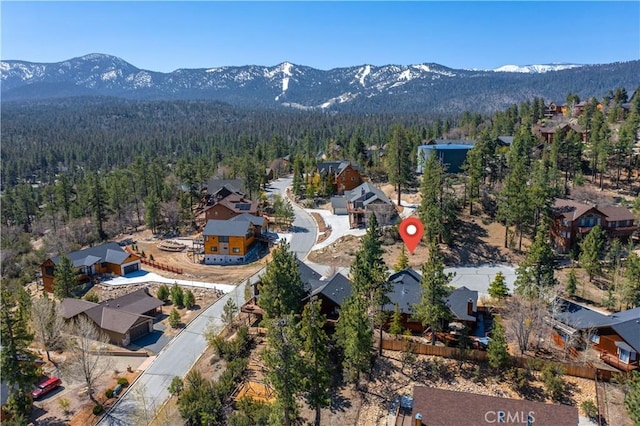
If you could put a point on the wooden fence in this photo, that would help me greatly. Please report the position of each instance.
(161, 266)
(575, 370)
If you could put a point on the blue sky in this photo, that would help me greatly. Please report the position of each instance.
(163, 36)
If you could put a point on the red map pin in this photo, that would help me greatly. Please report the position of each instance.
(411, 231)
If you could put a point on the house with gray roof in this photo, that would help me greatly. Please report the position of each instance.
(123, 319)
(107, 258)
(234, 241)
(365, 200)
(344, 175)
(616, 336)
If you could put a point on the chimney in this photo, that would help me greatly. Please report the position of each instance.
(469, 307)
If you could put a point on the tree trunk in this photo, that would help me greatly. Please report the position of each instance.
(506, 235)
(317, 420)
(399, 201)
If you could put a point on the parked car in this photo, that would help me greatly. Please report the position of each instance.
(45, 387)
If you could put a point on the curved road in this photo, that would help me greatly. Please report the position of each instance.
(147, 394)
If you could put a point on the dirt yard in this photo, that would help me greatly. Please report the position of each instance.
(193, 269)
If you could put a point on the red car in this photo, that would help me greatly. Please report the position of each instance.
(45, 387)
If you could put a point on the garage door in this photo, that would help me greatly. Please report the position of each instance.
(131, 268)
(138, 331)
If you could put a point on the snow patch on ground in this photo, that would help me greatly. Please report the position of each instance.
(144, 277)
(362, 73)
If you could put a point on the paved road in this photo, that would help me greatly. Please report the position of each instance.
(142, 400)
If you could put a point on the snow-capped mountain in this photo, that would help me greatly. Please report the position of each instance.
(368, 88)
(536, 68)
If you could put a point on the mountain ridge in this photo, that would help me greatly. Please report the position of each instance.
(367, 88)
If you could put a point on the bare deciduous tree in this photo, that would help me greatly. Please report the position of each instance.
(48, 324)
(88, 358)
(526, 320)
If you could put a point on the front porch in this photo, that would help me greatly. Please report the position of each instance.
(613, 361)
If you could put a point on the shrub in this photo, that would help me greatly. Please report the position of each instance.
(518, 378)
(92, 296)
(143, 254)
(108, 393)
(163, 293)
(122, 381)
(97, 409)
(174, 318)
(589, 409)
(552, 379)
(64, 404)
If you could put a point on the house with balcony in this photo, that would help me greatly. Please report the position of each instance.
(364, 201)
(107, 258)
(572, 220)
(615, 336)
(344, 175)
(234, 241)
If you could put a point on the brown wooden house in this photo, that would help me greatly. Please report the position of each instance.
(107, 258)
(573, 220)
(235, 240)
(345, 175)
(557, 131)
(615, 336)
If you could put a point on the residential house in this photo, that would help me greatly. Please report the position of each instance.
(406, 291)
(235, 185)
(438, 407)
(364, 201)
(107, 258)
(451, 153)
(554, 110)
(269, 174)
(234, 241)
(280, 167)
(123, 319)
(557, 131)
(345, 175)
(332, 294)
(573, 220)
(616, 336)
(504, 140)
(230, 206)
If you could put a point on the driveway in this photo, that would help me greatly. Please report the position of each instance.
(479, 277)
(339, 227)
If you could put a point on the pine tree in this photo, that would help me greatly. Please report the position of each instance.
(355, 337)
(163, 293)
(403, 260)
(432, 309)
(537, 272)
(18, 375)
(189, 299)
(282, 290)
(498, 287)
(396, 322)
(98, 204)
(284, 366)
(497, 351)
(572, 283)
(591, 251)
(174, 318)
(398, 159)
(474, 170)
(152, 212)
(177, 295)
(316, 359)
(229, 311)
(430, 210)
(65, 279)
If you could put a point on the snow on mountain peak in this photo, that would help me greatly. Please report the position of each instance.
(533, 69)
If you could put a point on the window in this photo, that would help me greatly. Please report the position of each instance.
(595, 339)
(214, 249)
(353, 178)
(236, 250)
(206, 238)
(223, 238)
(49, 270)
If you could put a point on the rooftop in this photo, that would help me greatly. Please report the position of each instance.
(109, 252)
